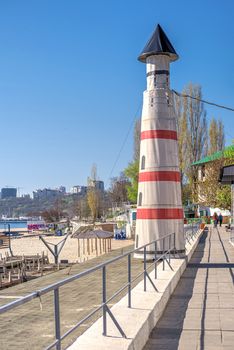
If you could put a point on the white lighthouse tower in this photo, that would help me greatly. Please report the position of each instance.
(159, 207)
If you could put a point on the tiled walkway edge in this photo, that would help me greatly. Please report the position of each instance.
(147, 307)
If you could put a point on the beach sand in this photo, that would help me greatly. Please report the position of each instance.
(33, 246)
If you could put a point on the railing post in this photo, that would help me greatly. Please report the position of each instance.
(57, 318)
(155, 257)
(164, 253)
(104, 299)
(56, 255)
(129, 281)
(174, 246)
(169, 249)
(144, 269)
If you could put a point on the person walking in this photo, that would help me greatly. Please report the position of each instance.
(220, 219)
(215, 218)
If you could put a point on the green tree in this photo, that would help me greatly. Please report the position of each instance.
(209, 185)
(228, 154)
(186, 193)
(224, 197)
(132, 172)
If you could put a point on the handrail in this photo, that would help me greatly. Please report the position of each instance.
(190, 230)
(168, 244)
(51, 287)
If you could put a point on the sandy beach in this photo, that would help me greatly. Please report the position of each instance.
(33, 246)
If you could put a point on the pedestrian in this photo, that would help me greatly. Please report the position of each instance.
(220, 218)
(215, 218)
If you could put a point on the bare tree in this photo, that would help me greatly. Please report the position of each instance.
(118, 189)
(216, 136)
(192, 136)
(197, 124)
(55, 213)
(93, 176)
(182, 128)
(196, 134)
(81, 208)
(94, 172)
(221, 135)
(94, 202)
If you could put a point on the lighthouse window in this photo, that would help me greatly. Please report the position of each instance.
(140, 199)
(155, 81)
(152, 102)
(142, 162)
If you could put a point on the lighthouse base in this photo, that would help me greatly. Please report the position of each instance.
(164, 235)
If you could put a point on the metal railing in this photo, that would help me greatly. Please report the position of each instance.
(168, 248)
(231, 237)
(191, 230)
(168, 245)
(193, 220)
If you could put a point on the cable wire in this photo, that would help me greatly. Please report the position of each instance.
(125, 140)
(204, 101)
(210, 103)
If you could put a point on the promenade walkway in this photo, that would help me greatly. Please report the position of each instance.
(200, 313)
(31, 326)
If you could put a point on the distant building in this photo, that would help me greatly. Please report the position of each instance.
(27, 196)
(97, 184)
(81, 190)
(8, 192)
(47, 193)
(62, 189)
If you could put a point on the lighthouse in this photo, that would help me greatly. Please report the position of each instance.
(159, 206)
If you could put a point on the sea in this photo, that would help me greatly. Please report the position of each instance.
(4, 224)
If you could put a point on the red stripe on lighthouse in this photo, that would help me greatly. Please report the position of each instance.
(169, 214)
(159, 134)
(159, 176)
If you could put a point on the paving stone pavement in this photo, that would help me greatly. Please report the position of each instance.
(29, 328)
(200, 312)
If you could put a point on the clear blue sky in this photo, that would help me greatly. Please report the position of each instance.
(70, 82)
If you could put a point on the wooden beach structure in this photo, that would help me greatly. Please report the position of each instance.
(18, 268)
(93, 242)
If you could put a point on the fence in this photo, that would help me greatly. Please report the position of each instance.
(168, 241)
(191, 230)
(232, 230)
(232, 216)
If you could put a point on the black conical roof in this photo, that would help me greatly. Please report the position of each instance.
(158, 44)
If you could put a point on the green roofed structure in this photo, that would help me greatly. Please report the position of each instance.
(228, 152)
(207, 168)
